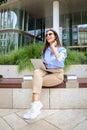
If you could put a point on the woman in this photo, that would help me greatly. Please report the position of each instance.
(53, 57)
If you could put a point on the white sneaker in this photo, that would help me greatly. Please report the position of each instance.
(34, 111)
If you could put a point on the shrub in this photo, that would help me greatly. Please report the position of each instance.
(75, 57)
(22, 57)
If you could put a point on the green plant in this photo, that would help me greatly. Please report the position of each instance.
(75, 57)
(22, 57)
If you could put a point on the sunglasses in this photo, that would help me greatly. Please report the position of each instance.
(49, 34)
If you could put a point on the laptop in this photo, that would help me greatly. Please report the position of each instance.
(38, 63)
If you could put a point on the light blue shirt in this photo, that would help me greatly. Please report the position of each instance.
(50, 59)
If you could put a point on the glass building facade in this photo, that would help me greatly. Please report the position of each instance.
(72, 28)
(19, 20)
(10, 19)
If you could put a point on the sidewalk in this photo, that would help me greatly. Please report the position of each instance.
(66, 119)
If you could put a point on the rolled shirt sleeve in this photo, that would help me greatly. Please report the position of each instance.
(63, 54)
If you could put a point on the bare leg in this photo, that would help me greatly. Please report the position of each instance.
(35, 97)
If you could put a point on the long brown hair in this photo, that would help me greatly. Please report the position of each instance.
(47, 43)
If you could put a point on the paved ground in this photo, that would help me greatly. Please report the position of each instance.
(69, 119)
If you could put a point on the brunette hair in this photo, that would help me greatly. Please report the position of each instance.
(47, 43)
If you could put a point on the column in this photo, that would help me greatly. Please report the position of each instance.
(27, 19)
(56, 16)
(23, 20)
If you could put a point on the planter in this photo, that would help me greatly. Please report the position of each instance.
(11, 71)
(78, 70)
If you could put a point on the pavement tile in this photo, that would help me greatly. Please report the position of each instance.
(4, 125)
(66, 119)
(81, 126)
(4, 112)
(40, 125)
(15, 121)
(57, 119)
(44, 114)
(82, 111)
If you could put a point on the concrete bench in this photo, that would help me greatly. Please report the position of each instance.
(17, 83)
(14, 95)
